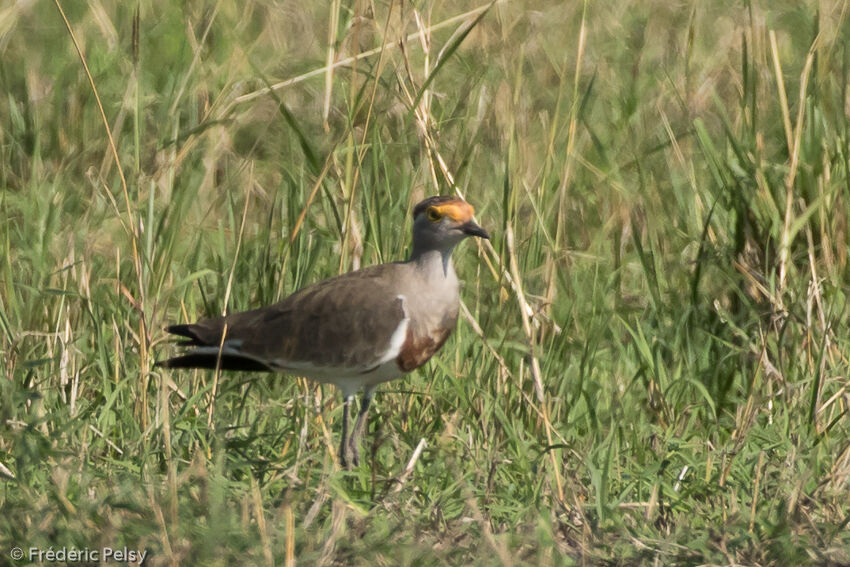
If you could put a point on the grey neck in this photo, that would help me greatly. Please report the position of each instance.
(434, 260)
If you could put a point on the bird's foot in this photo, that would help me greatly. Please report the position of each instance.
(349, 455)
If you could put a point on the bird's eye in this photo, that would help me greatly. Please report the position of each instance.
(433, 214)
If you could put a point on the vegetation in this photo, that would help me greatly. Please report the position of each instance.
(652, 363)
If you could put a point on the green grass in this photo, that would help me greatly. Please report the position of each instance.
(662, 372)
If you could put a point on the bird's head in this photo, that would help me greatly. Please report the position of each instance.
(440, 222)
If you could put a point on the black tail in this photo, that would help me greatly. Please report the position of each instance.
(187, 331)
(225, 361)
(211, 360)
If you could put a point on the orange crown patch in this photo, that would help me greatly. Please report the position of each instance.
(452, 207)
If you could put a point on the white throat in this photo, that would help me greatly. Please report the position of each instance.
(435, 262)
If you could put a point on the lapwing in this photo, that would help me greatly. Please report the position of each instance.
(354, 331)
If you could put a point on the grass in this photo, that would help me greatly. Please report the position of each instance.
(653, 367)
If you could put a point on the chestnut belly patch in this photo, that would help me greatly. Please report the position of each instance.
(416, 350)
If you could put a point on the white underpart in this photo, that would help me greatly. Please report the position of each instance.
(386, 368)
(399, 335)
(349, 379)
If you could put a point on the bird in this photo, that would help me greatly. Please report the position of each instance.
(355, 331)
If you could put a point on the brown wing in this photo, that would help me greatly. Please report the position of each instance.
(343, 322)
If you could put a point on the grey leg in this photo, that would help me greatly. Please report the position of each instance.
(360, 425)
(343, 444)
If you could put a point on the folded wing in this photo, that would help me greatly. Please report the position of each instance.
(351, 324)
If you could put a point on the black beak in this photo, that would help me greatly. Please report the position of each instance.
(471, 229)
